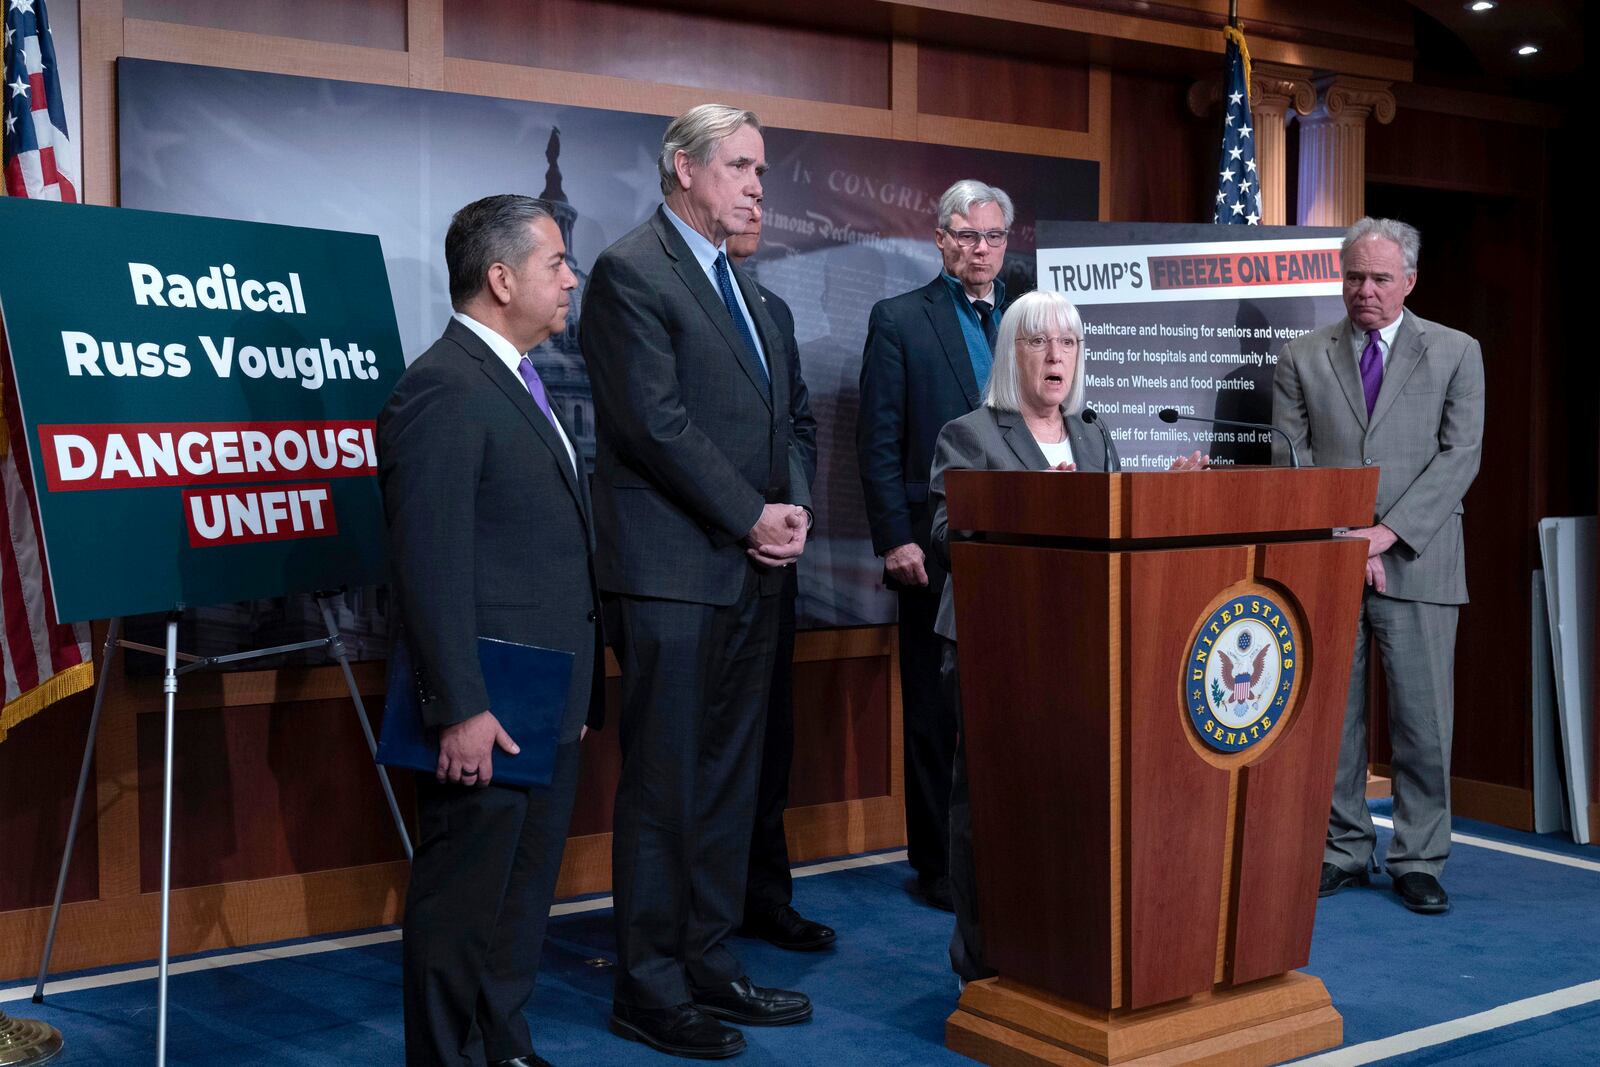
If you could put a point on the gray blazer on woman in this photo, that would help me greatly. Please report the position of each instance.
(989, 440)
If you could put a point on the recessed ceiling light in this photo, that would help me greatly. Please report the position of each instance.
(1480, 6)
(1528, 50)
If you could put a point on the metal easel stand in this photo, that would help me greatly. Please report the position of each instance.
(333, 643)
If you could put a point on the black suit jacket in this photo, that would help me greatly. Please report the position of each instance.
(805, 425)
(916, 376)
(489, 529)
(691, 442)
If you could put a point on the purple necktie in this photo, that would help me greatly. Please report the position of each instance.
(1371, 370)
(530, 378)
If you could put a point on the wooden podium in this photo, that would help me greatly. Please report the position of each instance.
(1154, 669)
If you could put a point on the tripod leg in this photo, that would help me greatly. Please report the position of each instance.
(113, 631)
(338, 651)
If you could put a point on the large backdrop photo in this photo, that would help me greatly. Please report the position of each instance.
(849, 221)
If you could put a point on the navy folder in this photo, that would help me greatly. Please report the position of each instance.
(527, 693)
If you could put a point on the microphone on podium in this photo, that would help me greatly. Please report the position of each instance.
(1171, 415)
(1092, 417)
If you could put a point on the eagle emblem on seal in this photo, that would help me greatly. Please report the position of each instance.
(1243, 681)
(1239, 676)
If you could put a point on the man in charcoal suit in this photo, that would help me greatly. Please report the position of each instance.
(490, 535)
(702, 503)
(1384, 387)
(926, 361)
(769, 889)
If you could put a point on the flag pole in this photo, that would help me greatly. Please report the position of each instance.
(25, 1042)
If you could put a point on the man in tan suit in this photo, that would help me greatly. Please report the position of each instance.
(1386, 388)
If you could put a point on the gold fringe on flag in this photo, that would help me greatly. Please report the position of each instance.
(1236, 35)
(74, 679)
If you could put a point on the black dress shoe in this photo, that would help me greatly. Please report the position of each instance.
(1335, 878)
(532, 1059)
(1421, 892)
(741, 1001)
(788, 929)
(682, 1030)
(935, 889)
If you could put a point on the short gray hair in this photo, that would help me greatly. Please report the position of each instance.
(1031, 313)
(496, 229)
(697, 132)
(1401, 233)
(960, 198)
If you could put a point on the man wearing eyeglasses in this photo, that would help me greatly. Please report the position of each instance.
(926, 361)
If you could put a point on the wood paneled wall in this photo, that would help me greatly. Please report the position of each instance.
(281, 831)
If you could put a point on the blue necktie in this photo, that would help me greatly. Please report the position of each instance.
(725, 284)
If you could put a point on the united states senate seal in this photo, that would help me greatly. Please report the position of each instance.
(1240, 672)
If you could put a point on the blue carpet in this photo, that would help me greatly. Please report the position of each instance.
(1519, 927)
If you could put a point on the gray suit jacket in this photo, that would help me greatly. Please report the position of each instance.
(989, 440)
(1425, 436)
(691, 444)
(489, 531)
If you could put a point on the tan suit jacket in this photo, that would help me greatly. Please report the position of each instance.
(1425, 436)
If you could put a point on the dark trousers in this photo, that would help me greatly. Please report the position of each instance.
(966, 942)
(481, 882)
(694, 692)
(929, 731)
(769, 885)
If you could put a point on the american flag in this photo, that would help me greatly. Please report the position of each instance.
(38, 160)
(43, 660)
(1238, 192)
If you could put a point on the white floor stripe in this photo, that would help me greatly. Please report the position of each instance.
(850, 864)
(334, 944)
(1455, 1029)
(207, 963)
(1514, 850)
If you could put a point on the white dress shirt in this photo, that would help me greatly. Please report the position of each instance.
(1056, 453)
(1358, 340)
(705, 254)
(507, 353)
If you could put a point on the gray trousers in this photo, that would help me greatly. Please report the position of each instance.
(1417, 642)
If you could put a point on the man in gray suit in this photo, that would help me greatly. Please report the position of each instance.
(701, 498)
(1385, 387)
(489, 532)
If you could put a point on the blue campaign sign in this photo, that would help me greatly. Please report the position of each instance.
(199, 398)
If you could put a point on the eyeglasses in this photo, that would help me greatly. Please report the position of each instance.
(969, 238)
(1040, 342)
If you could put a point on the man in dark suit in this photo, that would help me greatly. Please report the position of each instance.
(769, 889)
(701, 497)
(490, 536)
(926, 361)
(1386, 387)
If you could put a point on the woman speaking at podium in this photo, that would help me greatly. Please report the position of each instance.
(1031, 419)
